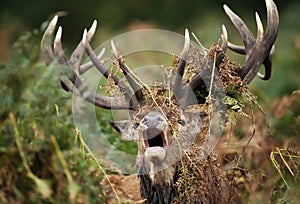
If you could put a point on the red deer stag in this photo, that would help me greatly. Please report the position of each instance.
(172, 164)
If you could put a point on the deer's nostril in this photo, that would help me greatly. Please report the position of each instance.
(159, 119)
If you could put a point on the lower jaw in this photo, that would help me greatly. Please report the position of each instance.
(155, 153)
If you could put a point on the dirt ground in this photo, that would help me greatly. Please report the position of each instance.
(127, 188)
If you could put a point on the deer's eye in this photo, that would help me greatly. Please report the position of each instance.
(181, 122)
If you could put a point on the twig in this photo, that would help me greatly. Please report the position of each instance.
(19, 144)
(61, 159)
(82, 142)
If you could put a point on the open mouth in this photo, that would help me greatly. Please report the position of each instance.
(155, 145)
(154, 137)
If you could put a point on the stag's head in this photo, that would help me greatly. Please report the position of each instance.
(167, 118)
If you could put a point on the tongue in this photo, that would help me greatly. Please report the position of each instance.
(155, 153)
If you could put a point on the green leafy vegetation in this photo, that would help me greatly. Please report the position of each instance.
(40, 158)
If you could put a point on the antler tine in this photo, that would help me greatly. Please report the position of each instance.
(226, 44)
(46, 47)
(260, 50)
(239, 24)
(68, 85)
(94, 59)
(137, 88)
(178, 86)
(224, 37)
(58, 50)
(77, 54)
(105, 71)
(271, 33)
(46, 43)
(260, 29)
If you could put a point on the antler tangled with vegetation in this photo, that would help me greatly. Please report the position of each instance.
(258, 51)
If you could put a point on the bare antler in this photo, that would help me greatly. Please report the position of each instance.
(258, 51)
(137, 88)
(178, 86)
(74, 83)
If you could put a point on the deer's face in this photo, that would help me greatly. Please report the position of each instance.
(161, 135)
(154, 135)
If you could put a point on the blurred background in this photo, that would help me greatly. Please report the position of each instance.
(36, 113)
(114, 17)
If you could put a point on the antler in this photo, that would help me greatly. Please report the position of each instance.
(258, 51)
(137, 88)
(178, 86)
(74, 83)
